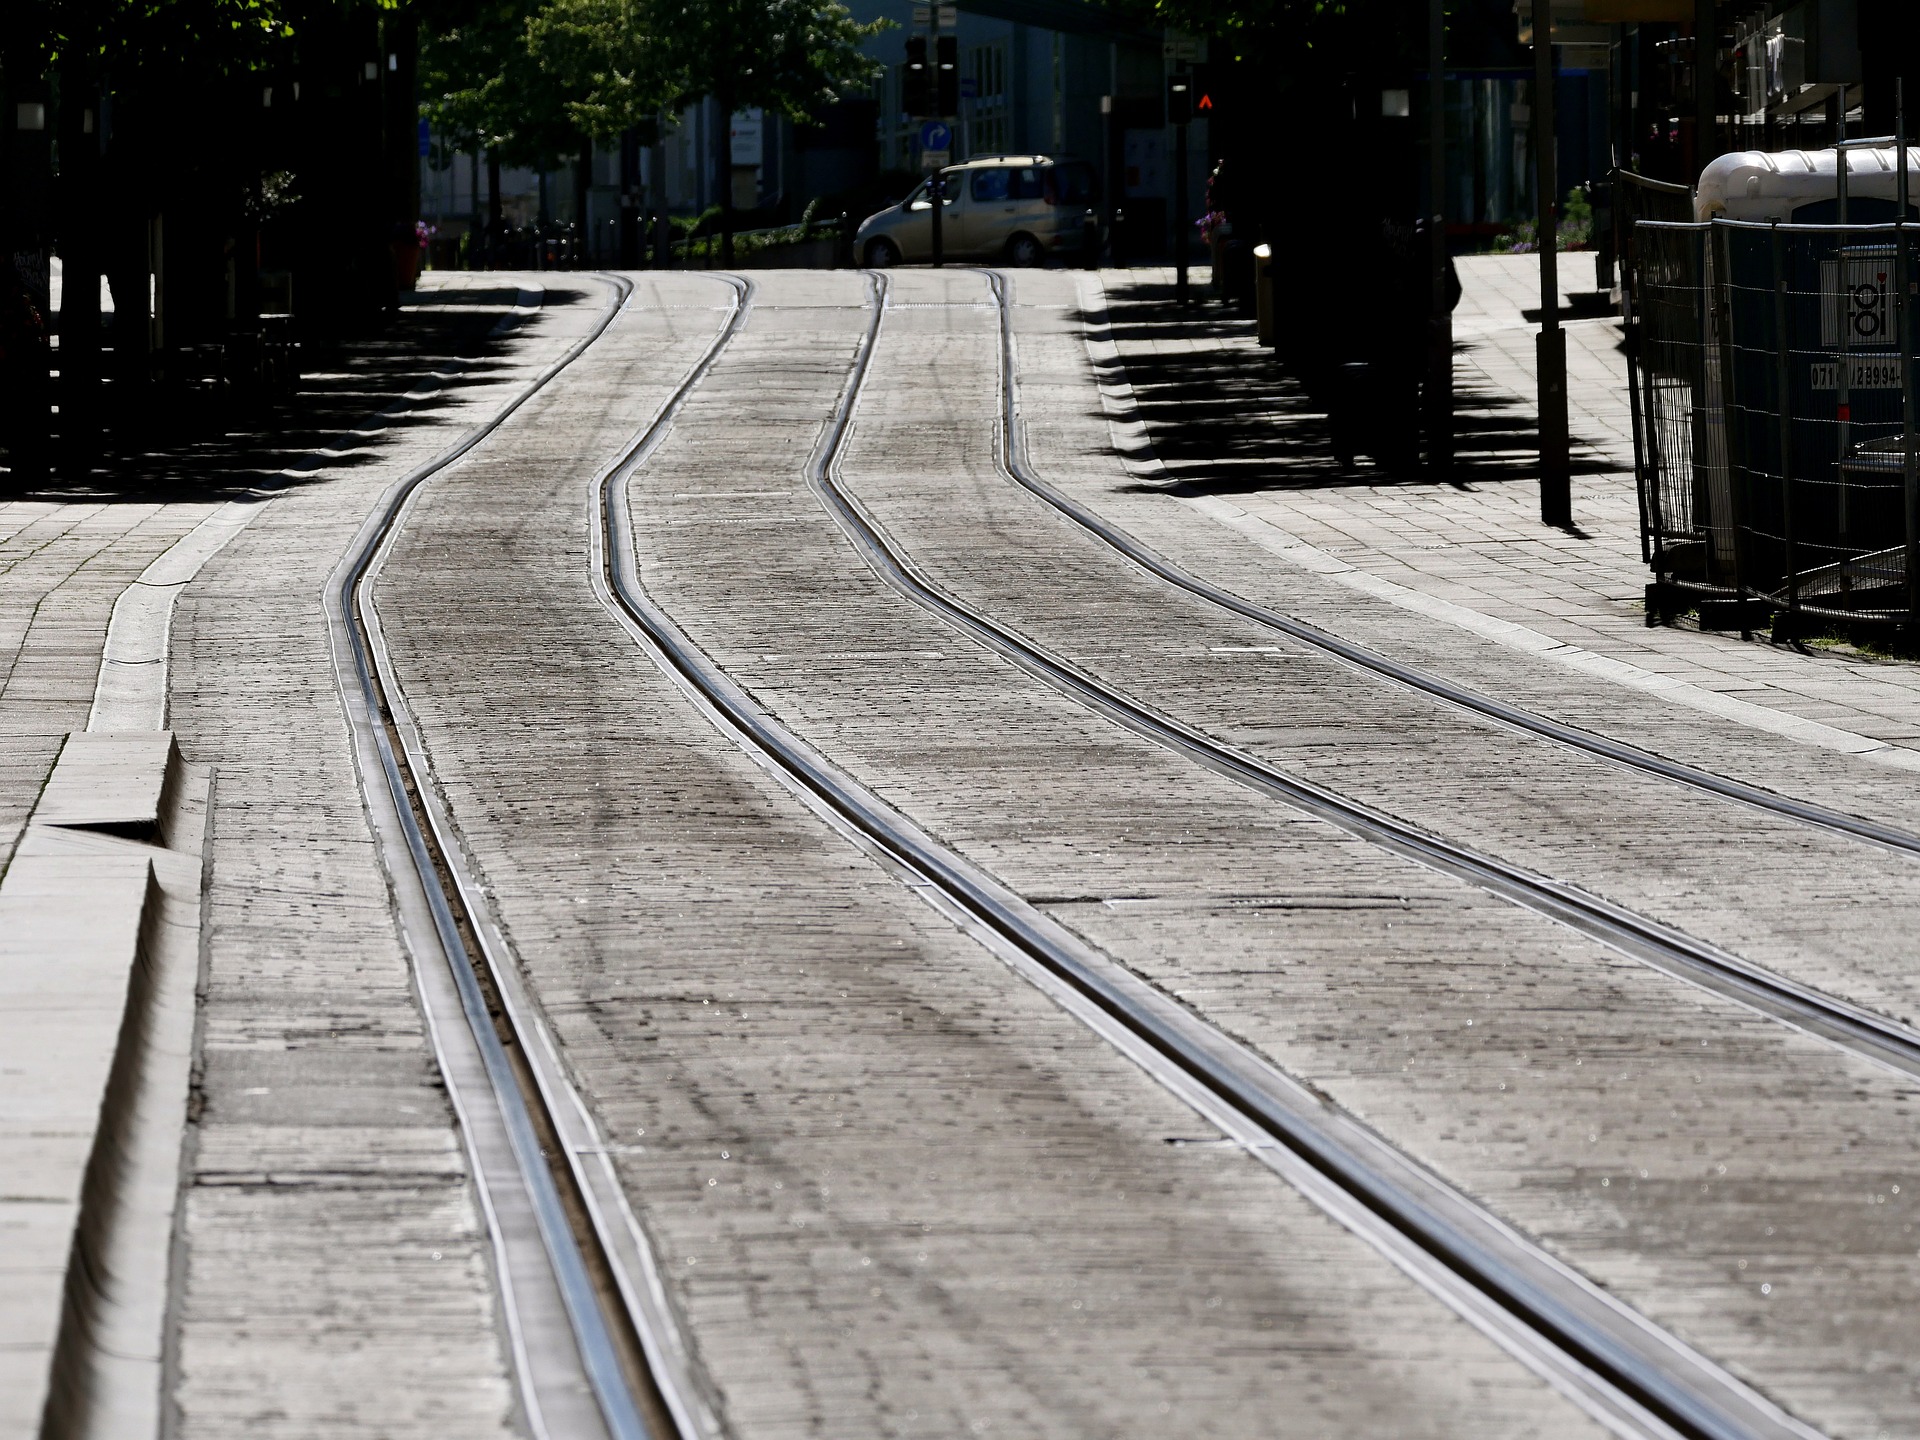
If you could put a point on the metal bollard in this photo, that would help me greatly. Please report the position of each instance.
(1090, 241)
(1263, 294)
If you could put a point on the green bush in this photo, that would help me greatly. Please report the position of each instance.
(1576, 229)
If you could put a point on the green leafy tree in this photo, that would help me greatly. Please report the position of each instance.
(791, 57)
(608, 61)
(483, 84)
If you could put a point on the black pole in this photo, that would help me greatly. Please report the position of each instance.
(1706, 94)
(1783, 391)
(724, 158)
(1843, 370)
(493, 207)
(26, 377)
(1440, 314)
(80, 259)
(1180, 211)
(937, 194)
(1550, 345)
(1903, 312)
(657, 196)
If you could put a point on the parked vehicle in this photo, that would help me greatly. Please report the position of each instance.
(1018, 209)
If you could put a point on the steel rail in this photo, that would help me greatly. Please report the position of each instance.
(1019, 468)
(625, 1346)
(1849, 1027)
(1853, 1028)
(1631, 1375)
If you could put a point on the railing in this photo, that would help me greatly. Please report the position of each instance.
(823, 243)
(1636, 198)
(1776, 387)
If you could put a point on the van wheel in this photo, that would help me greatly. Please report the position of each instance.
(882, 254)
(1024, 250)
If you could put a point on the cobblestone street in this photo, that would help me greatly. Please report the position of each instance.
(839, 843)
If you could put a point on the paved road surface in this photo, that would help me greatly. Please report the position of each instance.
(891, 1185)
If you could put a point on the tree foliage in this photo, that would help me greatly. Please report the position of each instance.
(520, 74)
(606, 57)
(794, 57)
(482, 84)
(208, 38)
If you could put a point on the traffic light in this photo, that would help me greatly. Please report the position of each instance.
(1179, 99)
(1206, 95)
(916, 83)
(946, 52)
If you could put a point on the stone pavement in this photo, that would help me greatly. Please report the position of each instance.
(895, 1190)
(335, 1274)
(68, 549)
(293, 1303)
(1474, 554)
(62, 565)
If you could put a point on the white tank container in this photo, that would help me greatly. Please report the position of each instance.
(1758, 185)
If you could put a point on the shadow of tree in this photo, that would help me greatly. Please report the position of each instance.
(198, 442)
(1226, 418)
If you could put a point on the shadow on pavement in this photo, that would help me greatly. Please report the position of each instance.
(198, 442)
(1225, 418)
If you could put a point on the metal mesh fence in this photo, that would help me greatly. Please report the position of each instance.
(1683, 480)
(1637, 198)
(1777, 385)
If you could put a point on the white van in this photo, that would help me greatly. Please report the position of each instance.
(1013, 208)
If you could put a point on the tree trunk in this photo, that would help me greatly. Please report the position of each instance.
(493, 207)
(80, 263)
(657, 198)
(723, 164)
(583, 182)
(26, 172)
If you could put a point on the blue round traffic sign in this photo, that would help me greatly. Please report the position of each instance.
(936, 135)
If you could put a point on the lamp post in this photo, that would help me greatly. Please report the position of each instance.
(1179, 113)
(1550, 345)
(1439, 317)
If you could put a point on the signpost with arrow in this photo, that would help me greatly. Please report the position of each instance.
(931, 94)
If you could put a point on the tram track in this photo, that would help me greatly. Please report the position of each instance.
(1019, 468)
(1636, 1377)
(1625, 1370)
(1849, 1027)
(597, 1346)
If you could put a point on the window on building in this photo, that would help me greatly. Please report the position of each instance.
(984, 114)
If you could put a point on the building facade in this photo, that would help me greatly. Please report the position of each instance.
(1053, 77)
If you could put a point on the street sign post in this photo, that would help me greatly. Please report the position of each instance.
(1179, 113)
(936, 147)
(946, 75)
(931, 94)
(1550, 345)
(1439, 387)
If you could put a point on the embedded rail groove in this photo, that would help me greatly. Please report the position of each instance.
(528, 1132)
(1633, 1376)
(1850, 1027)
(1847, 1026)
(1015, 462)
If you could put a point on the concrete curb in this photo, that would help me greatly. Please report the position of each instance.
(100, 915)
(99, 957)
(131, 691)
